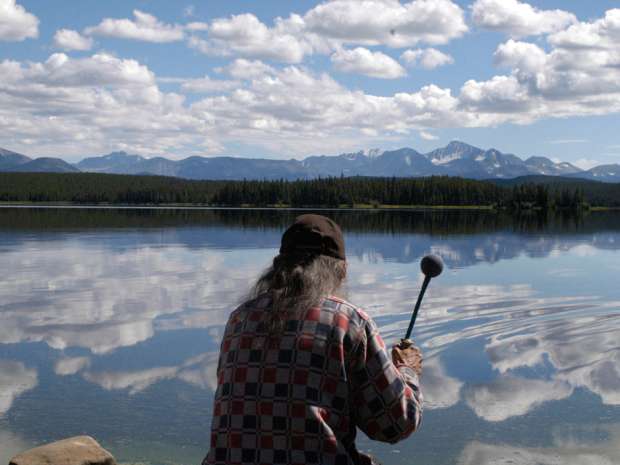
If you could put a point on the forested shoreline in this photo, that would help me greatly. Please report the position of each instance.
(353, 192)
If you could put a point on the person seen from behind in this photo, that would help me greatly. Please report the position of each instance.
(300, 368)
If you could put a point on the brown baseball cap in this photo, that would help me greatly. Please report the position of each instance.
(315, 235)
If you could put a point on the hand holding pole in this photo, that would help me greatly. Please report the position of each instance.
(431, 266)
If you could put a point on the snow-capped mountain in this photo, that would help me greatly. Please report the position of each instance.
(603, 173)
(543, 165)
(455, 159)
(460, 159)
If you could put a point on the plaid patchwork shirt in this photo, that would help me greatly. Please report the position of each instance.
(297, 397)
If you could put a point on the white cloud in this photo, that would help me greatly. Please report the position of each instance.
(135, 381)
(293, 106)
(207, 85)
(145, 27)
(326, 27)
(523, 56)
(200, 370)
(103, 300)
(12, 444)
(428, 136)
(501, 94)
(247, 69)
(68, 39)
(102, 103)
(439, 389)
(387, 22)
(207, 47)
(15, 379)
(362, 61)
(99, 70)
(601, 377)
(70, 366)
(291, 110)
(562, 450)
(16, 24)
(582, 351)
(196, 26)
(586, 163)
(94, 104)
(579, 75)
(429, 58)
(519, 19)
(599, 34)
(568, 141)
(509, 396)
(247, 36)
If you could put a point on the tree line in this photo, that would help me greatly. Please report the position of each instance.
(94, 188)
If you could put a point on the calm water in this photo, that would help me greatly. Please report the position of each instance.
(110, 323)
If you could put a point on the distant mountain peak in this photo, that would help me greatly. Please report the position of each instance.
(607, 170)
(457, 158)
(10, 159)
(453, 152)
(121, 154)
(4, 152)
(457, 144)
(44, 165)
(538, 159)
(372, 153)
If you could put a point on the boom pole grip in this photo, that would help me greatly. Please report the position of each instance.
(427, 279)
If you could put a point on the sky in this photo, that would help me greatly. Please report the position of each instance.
(280, 79)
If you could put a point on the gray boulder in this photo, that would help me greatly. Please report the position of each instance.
(78, 450)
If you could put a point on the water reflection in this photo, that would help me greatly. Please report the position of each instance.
(510, 396)
(582, 352)
(15, 379)
(462, 238)
(84, 295)
(571, 451)
(199, 370)
(120, 313)
(12, 444)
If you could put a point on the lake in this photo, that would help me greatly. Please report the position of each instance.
(110, 322)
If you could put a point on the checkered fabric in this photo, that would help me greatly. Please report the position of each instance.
(297, 397)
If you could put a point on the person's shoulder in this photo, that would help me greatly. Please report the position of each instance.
(253, 305)
(349, 320)
(352, 311)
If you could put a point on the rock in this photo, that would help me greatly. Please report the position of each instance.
(78, 450)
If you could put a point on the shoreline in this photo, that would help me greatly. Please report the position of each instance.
(192, 206)
(186, 206)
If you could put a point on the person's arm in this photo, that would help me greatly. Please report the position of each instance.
(386, 400)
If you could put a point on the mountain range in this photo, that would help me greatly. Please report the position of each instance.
(13, 161)
(455, 159)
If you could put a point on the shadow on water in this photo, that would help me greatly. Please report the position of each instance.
(111, 322)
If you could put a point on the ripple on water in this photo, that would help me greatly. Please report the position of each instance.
(522, 356)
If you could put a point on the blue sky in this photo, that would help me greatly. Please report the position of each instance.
(289, 79)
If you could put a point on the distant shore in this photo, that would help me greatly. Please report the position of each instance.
(191, 206)
(196, 206)
(437, 193)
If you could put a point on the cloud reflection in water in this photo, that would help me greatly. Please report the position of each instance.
(563, 451)
(15, 379)
(97, 307)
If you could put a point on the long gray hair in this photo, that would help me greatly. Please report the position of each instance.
(296, 283)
